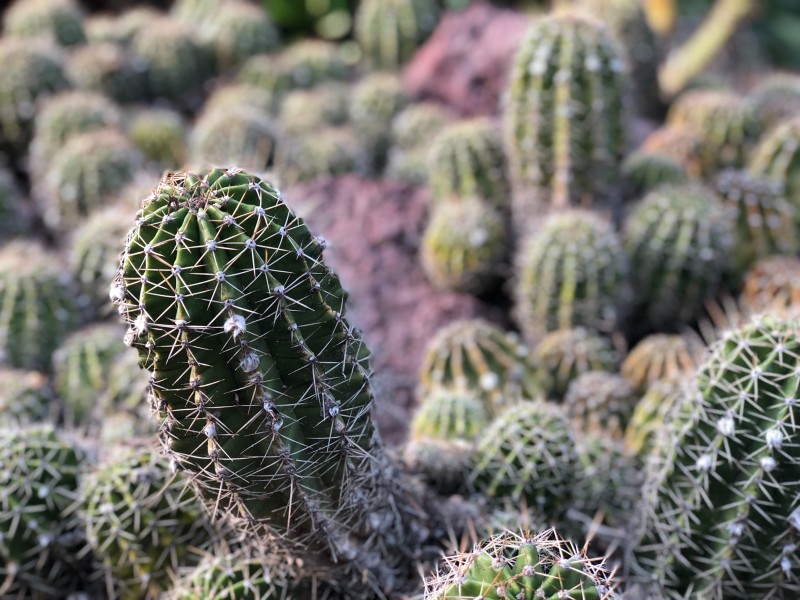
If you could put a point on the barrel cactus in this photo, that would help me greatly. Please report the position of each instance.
(681, 143)
(232, 96)
(721, 511)
(660, 357)
(375, 101)
(600, 404)
(564, 158)
(160, 135)
(777, 98)
(246, 136)
(773, 286)
(26, 397)
(413, 130)
(390, 31)
(108, 69)
(571, 272)
(778, 156)
(679, 244)
(644, 171)
(238, 30)
(305, 111)
(651, 418)
(325, 152)
(119, 29)
(442, 465)
(450, 413)
(261, 385)
(61, 21)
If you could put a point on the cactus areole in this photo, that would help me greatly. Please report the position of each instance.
(260, 385)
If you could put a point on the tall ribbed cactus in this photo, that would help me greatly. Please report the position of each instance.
(722, 519)
(260, 383)
(389, 31)
(564, 157)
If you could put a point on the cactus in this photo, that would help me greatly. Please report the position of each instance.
(681, 143)
(600, 404)
(42, 547)
(464, 246)
(39, 305)
(564, 355)
(15, 216)
(416, 125)
(467, 161)
(721, 513)
(108, 69)
(31, 72)
(443, 465)
(728, 124)
(305, 111)
(679, 244)
(561, 158)
(652, 416)
(144, 522)
(478, 356)
(644, 171)
(230, 97)
(160, 135)
(245, 137)
(238, 30)
(61, 21)
(772, 286)
(777, 99)
(119, 29)
(390, 31)
(61, 118)
(522, 566)
(778, 156)
(571, 272)
(25, 397)
(450, 413)
(90, 168)
(528, 455)
(660, 357)
(376, 99)
(408, 166)
(760, 216)
(324, 152)
(265, 399)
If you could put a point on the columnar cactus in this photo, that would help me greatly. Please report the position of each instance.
(600, 404)
(644, 171)
(246, 137)
(42, 546)
(467, 161)
(108, 69)
(259, 381)
(773, 286)
(160, 135)
(324, 152)
(390, 31)
(464, 246)
(660, 357)
(728, 123)
(778, 156)
(564, 355)
(678, 241)
(39, 305)
(478, 356)
(26, 397)
(376, 100)
(450, 413)
(571, 272)
(721, 516)
(523, 566)
(760, 216)
(681, 143)
(144, 522)
(557, 157)
(61, 21)
(777, 98)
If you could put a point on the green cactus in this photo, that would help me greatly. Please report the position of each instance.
(679, 244)
(86, 173)
(443, 465)
(652, 416)
(390, 31)
(376, 100)
(238, 30)
(479, 356)
(108, 69)
(660, 357)
(246, 137)
(467, 161)
(42, 546)
(230, 97)
(729, 125)
(305, 111)
(777, 99)
(644, 171)
(15, 216)
(571, 272)
(557, 157)
(324, 152)
(408, 166)
(119, 29)
(600, 404)
(32, 71)
(680, 143)
(760, 216)
(61, 21)
(523, 566)
(160, 135)
(564, 355)
(417, 124)
(39, 305)
(26, 397)
(464, 246)
(772, 286)
(144, 522)
(721, 510)
(528, 455)
(778, 156)
(260, 384)
(450, 413)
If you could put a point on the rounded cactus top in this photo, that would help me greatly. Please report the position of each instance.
(450, 413)
(772, 286)
(418, 123)
(777, 97)
(60, 20)
(660, 357)
(645, 171)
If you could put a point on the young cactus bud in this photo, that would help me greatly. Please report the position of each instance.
(772, 286)
(660, 357)
(390, 31)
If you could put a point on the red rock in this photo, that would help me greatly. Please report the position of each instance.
(466, 61)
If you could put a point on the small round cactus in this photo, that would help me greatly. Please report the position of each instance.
(160, 135)
(778, 156)
(760, 216)
(777, 98)
(245, 137)
(679, 243)
(27, 397)
(303, 64)
(119, 29)
(108, 69)
(238, 30)
(478, 356)
(450, 413)
(233, 96)
(564, 355)
(660, 357)
(772, 286)
(680, 143)
(39, 305)
(523, 566)
(571, 272)
(652, 416)
(324, 152)
(644, 171)
(61, 21)
(728, 124)
(390, 31)
(444, 465)
(600, 404)
(375, 101)
(467, 161)
(305, 111)
(464, 246)
(417, 125)
(42, 546)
